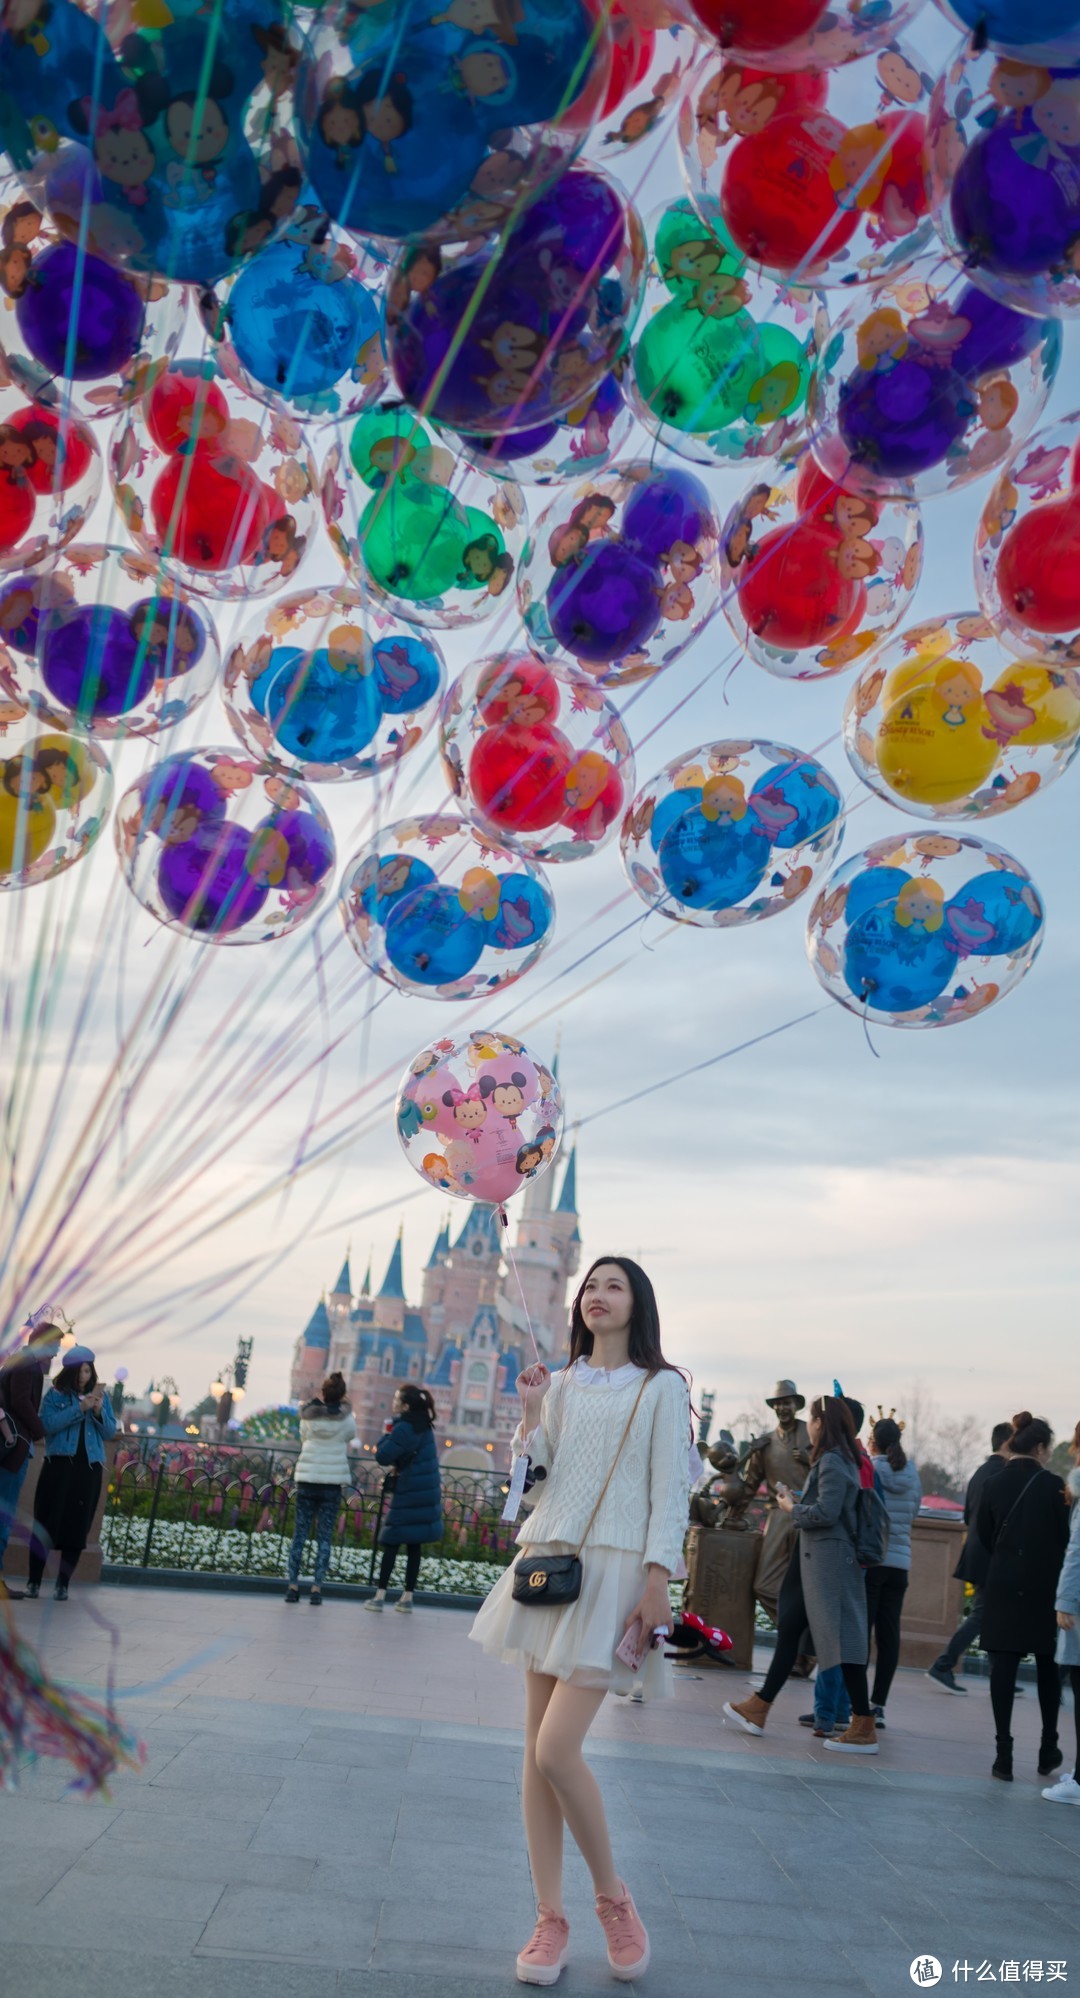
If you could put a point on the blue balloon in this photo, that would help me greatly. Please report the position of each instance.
(298, 320)
(675, 806)
(408, 674)
(316, 712)
(429, 939)
(1019, 24)
(395, 185)
(524, 916)
(993, 916)
(877, 888)
(794, 802)
(711, 864)
(398, 875)
(895, 970)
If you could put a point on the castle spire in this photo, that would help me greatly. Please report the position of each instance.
(393, 1283)
(567, 1201)
(442, 1247)
(343, 1286)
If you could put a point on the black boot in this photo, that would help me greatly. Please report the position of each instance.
(1050, 1757)
(1003, 1768)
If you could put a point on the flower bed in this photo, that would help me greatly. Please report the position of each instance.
(206, 1549)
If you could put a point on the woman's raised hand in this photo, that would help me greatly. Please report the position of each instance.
(532, 1385)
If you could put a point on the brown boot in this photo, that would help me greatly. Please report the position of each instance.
(751, 1715)
(860, 1738)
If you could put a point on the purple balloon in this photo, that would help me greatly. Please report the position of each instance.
(580, 219)
(311, 849)
(519, 443)
(1009, 215)
(178, 785)
(105, 305)
(205, 883)
(92, 662)
(903, 420)
(606, 604)
(999, 337)
(669, 506)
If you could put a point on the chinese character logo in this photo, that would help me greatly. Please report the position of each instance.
(925, 1971)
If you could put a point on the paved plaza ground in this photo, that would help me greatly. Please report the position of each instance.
(330, 1809)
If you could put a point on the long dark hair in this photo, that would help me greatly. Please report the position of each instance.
(887, 1442)
(837, 1428)
(644, 1320)
(1028, 1432)
(419, 1404)
(67, 1380)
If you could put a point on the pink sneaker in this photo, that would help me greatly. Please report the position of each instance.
(547, 1949)
(627, 1938)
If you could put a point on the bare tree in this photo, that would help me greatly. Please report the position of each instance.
(922, 1422)
(959, 1446)
(753, 1421)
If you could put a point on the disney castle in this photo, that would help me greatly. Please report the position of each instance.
(467, 1339)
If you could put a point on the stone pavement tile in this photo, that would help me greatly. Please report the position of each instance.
(214, 1860)
(430, 1757)
(224, 1766)
(102, 1922)
(458, 1866)
(310, 1828)
(887, 1971)
(845, 1922)
(353, 1750)
(40, 1970)
(75, 1823)
(28, 1874)
(178, 1833)
(258, 1922)
(703, 1869)
(118, 1886)
(177, 1802)
(499, 1920)
(448, 1793)
(478, 1967)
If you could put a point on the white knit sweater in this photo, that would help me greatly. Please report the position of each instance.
(645, 1507)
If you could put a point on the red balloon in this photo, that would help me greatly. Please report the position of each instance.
(211, 511)
(814, 489)
(44, 432)
(905, 180)
(759, 24)
(595, 793)
(17, 504)
(633, 46)
(753, 97)
(793, 593)
(518, 776)
(518, 690)
(1038, 567)
(777, 198)
(181, 407)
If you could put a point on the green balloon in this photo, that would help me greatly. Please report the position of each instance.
(412, 539)
(707, 247)
(483, 552)
(696, 373)
(384, 442)
(783, 377)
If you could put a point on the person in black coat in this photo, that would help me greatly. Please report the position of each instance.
(1023, 1521)
(22, 1383)
(972, 1565)
(415, 1513)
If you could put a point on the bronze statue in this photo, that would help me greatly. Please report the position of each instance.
(780, 1457)
(721, 1498)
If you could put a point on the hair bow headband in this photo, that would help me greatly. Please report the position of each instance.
(125, 115)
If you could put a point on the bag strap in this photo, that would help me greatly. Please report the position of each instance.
(1022, 1494)
(618, 1454)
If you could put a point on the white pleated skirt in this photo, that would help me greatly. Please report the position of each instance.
(575, 1642)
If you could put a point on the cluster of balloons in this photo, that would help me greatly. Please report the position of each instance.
(479, 1118)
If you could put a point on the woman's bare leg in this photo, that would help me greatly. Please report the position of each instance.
(569, 1712)
(540, 1805)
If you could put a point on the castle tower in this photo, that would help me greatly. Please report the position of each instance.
(342, 1331)
(468, 1277)
(547, 1251)
(390, 1302)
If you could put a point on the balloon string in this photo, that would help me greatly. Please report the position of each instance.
(866, 1025)
(508, 1252)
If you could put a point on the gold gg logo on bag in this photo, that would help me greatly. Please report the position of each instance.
(537, 1579)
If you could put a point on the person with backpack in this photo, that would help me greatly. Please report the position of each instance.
(839, 1526)
(1023, 1521)
(900, 1487)
(415, 1513)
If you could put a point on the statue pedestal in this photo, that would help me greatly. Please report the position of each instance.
(934, 1602)
(89, 1568)
(720, 1585)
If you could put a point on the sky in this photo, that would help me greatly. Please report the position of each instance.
(898, 1212)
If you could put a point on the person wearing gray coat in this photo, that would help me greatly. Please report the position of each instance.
(1067, 1606)
(827, 1590)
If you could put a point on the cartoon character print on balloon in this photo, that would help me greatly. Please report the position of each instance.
(816, 174)
(480, 1118)
(437, 540)
(803, 34)
(511, 86)
(815, 577)
(536, 759)
(216, 488)
(214, 846)
(731, 833)
(101, 641)
(55, 793)
(619, 575)
(721, 365)
(950, 723)
(1027, 547)
(928, 384)
(589, 437)
(50, 477)
(471, 918)
(330, 685)
(925, 931)
(74, 332)
(1003, 156)
(301, 326)
(649, 64)
(166, 146)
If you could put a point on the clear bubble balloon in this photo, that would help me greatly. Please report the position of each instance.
(925, 930)
(651, 60)
(55, 794)
(815, 577)
(518, 333)
(50, 477)
(436, 539)
(1003, 157)
(1027, 547)
(212, 485)
(817, 174)
(439, 911)
(588, 438)
(537, 761)
(802, 34)
(99, 640)
(928, 383)
(722, 361)
(219, 848)
(950, 724)
(332, 687)
(80, 336)
(480, 1118)
(731, 833)
(165, 143)
(1042, 31)
(619, 574)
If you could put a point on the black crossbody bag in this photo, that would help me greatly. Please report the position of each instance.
(550, 1580)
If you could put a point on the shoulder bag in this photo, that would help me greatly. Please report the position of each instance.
(550, 1580)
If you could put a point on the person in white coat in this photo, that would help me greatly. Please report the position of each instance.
(608, 1438)
(327, 1428)
(1067, 1605)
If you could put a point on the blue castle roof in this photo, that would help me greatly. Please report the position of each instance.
(441, 1375)
(343, 1286)
(568, 1197)
(441, 1249)
(317, 1330)
(393, 1283)
(483, 1225)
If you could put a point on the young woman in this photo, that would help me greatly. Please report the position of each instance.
(77, 1417)
(886, 1584)
(826, 1589)
(1023, 1520)
(327, 1427)
(608, 1437)
(416, 1505)
(1067, 1606)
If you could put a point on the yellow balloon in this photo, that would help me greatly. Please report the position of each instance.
(917, 672)
(68, 786)
(931, 752)
(1048, 693)
(26, 827)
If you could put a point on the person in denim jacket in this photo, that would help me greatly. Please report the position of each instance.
(78, 1420)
